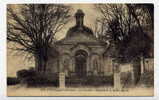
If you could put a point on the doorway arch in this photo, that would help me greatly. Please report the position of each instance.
(81, 63)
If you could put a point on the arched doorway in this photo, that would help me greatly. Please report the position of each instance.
(81, 63)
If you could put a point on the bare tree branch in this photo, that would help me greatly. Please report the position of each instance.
(34, 26)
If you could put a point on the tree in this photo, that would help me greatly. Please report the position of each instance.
(33, 28)
(116, 26)
(142, 11)
(126, 28)
(122, 25)
(144, 16)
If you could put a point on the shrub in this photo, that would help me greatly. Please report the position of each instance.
(22, 73)
(12, 81)
(126, 79)
(33, 78)
(41, 79)
(147, 79)
(90, 80)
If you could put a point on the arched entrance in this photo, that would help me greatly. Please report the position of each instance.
(81, 63)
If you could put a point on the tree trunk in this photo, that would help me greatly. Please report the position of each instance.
(137, 70)
(143, 63)
(40, 64)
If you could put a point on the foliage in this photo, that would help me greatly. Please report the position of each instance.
(33, 78)
(126, 79)
(90, 81)
(123, 28)
(147, 79)
(12, 81)
(33, 28)
(26, 73)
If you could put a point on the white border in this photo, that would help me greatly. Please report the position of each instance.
(3, 48)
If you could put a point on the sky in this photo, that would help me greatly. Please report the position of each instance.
(18, 62)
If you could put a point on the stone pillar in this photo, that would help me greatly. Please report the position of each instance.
(61, 65)
(117, 81)
(102, 64)
(62, 80)
(70, 65)
(87, 65)
(111, 65)
(61, 74)
(132, 74)
(73, 64)
(91, 64)
(142, 65)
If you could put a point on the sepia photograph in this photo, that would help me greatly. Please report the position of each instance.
(81, 49)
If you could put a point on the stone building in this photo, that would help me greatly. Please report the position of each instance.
(80, 52)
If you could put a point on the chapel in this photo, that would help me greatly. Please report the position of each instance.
(80, 52)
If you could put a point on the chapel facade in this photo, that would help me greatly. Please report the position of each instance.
(80, 52)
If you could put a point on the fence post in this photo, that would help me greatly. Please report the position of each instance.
(62, 80)
(142, 65)
(117, 81)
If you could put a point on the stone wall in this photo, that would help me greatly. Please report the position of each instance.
(108, 66)
(149, 64)
(127, 67)
(126, 74)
